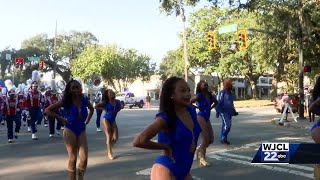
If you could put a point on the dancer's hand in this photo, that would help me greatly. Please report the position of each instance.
(64, 121)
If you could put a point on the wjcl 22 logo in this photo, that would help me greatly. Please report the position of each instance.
(275, 152)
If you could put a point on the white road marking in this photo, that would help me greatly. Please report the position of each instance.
(268, 167)
(144, 172)
(303, 139)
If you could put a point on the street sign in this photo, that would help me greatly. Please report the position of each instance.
(227, 29)
(8, 57)
(33, 59)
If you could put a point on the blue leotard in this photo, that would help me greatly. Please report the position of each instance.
(111, 111)
(75, 123)
(204, 105)
(180, 141)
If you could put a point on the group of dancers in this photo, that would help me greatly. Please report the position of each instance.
(178, 124)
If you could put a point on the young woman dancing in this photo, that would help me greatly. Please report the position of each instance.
(111, 106)
(178, 130)
(75, 105)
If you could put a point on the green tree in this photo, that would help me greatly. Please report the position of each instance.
(172, 64)
(119, 67)
(68, 47)
(227, 59)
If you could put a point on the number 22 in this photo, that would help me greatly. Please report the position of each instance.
(270, 156)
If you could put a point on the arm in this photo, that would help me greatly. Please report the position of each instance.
(100, 105)
(91, 109)
(50, 111)
(143, 140)
(215, 102)
(194, 99)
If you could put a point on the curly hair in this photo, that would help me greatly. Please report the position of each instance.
(166, 102)
(105, 95)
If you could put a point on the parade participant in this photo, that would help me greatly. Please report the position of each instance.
(315, 130)
(21, 100)
(111, 106)
(75, 105)
(47, 97)
(178, 130)
(205, 101)
(25, 113)
(12, 108)
(2, 102)
(97, 100)
(52, 98)
(225, 109)
(34, 100)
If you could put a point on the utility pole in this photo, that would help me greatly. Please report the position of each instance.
(185, 50)
(300, 36)
(54, 51)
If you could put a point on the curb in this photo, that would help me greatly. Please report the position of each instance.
(291, 124)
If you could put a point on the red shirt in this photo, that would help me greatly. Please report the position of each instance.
(34, 99)
(21, 101)
(12, 106)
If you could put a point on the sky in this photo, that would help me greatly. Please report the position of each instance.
(129, 23)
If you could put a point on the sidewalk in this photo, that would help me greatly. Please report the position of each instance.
(301, 124)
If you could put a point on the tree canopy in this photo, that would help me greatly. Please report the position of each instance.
(119, 67)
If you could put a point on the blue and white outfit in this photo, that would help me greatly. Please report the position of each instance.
(225, 109)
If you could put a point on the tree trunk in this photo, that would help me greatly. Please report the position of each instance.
(119, 85)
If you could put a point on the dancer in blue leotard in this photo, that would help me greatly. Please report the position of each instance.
(178, 131)
(205, 102)
(75, 105)
(315, 130)
(111, 106)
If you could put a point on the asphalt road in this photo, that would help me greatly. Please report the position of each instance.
(46, 158)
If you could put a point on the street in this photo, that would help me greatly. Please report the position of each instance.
(47, 158)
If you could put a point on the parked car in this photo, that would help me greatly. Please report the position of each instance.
(129, 99)
(292, 99)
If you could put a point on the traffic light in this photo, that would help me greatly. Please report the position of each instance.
(212, 40)
(307, 69)
(41, 65)
(19, 62)
(242, 39)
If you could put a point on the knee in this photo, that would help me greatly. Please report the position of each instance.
(84, 160)
(73, 159)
